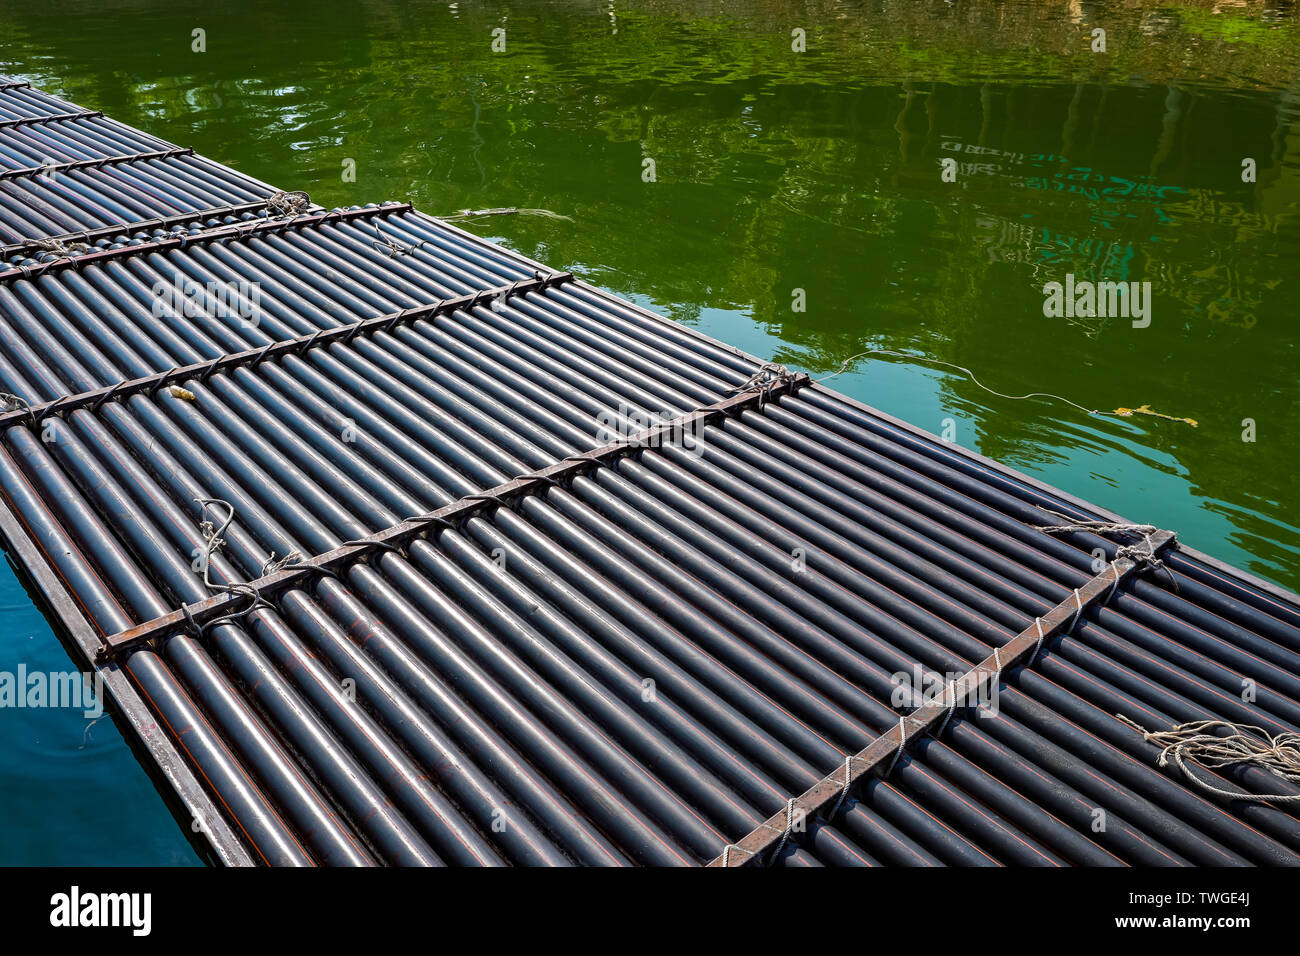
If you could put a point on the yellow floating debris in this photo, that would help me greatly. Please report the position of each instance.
(175, 391)
(1146, 410)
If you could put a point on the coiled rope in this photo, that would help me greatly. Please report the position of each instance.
(293, 203)
(1196, 741)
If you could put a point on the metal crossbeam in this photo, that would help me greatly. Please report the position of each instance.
(829, 790)
(33, 171)
(89, 236)
(51, 118)
(33, 414)
(240, 230)
(194, 617)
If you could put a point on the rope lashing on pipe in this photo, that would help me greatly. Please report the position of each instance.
(1196, 741)
(726, 853)
(1038, 623)
(952, 709)
(1145, 559)
(10, 402)
(902, 743)
(785, 837)
(388, 244)
(61, 249)
(768, 376)
(274, 564)
(844, 793)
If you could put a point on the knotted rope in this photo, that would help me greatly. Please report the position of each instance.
(768, 376)
(1145, 559)
(12, 402)
(274, 564)
(293, 203)
(1196, 741)
(60, 248)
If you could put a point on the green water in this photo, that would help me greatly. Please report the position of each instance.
(777, 170)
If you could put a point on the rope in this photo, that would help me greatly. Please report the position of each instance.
(391, 246)
(1145, 560)
(274, 564)
(502, 211)
(1038, 623)
(952, 708)
(902, 742)
(1096, 526)
(768, 376)
(1117, 413)
(213, 542)
(1078, 603)
(13, 403)
(60, 248)
(293, 203)
(789, 825)
(1114, 567)
(844, 367)
(1195, 741)
(848, 767)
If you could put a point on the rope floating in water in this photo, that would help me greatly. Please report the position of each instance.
(502, 211)
(1117, 413)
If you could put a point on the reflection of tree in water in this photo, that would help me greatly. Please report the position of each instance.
(816, 171)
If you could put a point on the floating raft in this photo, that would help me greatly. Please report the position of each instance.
(331, 500)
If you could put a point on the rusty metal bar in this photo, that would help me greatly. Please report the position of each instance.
(833, 786)
(234, 231)
(52, 118)
(32, 414)
(195, 616)
(131, 228)
(93, 163)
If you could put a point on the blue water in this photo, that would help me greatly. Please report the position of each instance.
(71, 791)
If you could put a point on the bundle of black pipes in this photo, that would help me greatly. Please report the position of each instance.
(64, 170)
(593, 651)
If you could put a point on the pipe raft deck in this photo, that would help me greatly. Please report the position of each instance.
(457, 615)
